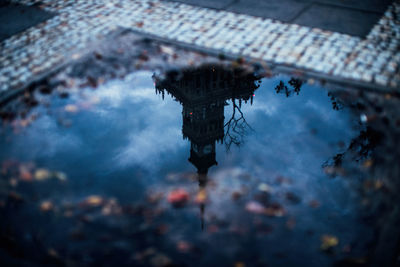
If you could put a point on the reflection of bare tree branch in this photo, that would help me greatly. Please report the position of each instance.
(294, 83)
(236, 127)
(336, 103)
(359, 149)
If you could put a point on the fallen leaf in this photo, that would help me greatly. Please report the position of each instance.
(111, 208)
(328, 242)
(42, 174)
(25, 171)
(155, 197)
(378, 184)
(368, 163)
(60, 176)
(24, 122)
(46, 206)
(255, 207)
(93, 201)
(167, 50)
(183, 246)
(275, 210)
(13, 182)
(178, 197)
(25, 175)
(265, 188)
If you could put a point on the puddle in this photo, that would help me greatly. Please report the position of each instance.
(208, 166)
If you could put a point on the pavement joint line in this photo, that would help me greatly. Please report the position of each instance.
(347, 7)
(301, 12)
(230, 4)
(374, 60)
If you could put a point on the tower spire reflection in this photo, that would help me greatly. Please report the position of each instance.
(203, 93)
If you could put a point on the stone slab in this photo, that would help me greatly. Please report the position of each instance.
(354, 17)
(15, 18)
(283, 10)
(378, 6)
(338, 19)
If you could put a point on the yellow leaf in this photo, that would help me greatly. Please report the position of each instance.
(42, 174)
(328, 241)
(368, 163)
(46, 206)
(94, 201)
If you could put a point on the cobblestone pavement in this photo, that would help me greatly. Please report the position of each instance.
(373, 60)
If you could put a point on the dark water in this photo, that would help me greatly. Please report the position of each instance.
(253, 156)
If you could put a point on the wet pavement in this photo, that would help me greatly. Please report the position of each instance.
(369, 59)
(161, 160)
(350, 17)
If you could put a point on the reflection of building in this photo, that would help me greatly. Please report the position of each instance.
(203, 93)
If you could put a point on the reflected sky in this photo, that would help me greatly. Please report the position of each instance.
(124, 139)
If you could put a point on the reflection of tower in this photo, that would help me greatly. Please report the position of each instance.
(203, 125)
(203, 93)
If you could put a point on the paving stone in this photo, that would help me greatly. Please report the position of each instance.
(338, 19)
(378, 6)
(283, 10)
(15, 18)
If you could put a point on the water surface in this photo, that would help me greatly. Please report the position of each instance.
(252, 154)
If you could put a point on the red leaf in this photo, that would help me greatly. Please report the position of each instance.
(178, 197)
